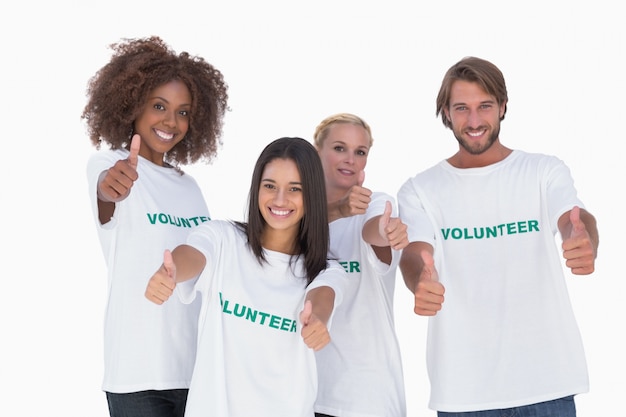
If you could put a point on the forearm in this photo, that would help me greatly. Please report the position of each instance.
(371, 233)
(411, 263)
(323, 302)
(189, 262)
(334, 211)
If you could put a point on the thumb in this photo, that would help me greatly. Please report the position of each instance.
(578, 227)
(361, 179)
(305, 315)
(428, 271)
(384, 219)
(135, 144)
(169, 265)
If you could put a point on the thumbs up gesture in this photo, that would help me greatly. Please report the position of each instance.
(428, 291)
(392, 229)
(578, 249)
(357, 200)
(314, 331)
(115, 184)
(162, 284)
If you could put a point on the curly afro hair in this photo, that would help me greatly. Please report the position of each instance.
(118, 92)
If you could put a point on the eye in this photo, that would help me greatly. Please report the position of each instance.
(159, 106)
(295, 189)
(338, 148)
(361, 152)
(268, 186)
(485, 106)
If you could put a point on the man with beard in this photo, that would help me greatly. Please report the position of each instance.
(482, 226)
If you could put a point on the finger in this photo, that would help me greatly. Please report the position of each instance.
(578, 227)
(135, 144)
(386, 214)
(361, 179)
(168, 264)
(429, 265)
(305, 315)
(383, 223)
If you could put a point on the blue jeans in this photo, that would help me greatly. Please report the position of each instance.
(166, 403)
(563, 407)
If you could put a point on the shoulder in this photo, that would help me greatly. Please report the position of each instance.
(537, 159)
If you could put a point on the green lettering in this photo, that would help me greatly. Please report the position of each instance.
(274, 322)
(285, 324)
(521, 227)
(510, 228)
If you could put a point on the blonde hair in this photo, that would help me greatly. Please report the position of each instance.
(322, 130)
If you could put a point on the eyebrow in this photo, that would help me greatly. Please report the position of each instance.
(167, 101)
(462, 103)
(274, 181)
(342, 142)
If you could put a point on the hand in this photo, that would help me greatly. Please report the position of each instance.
(578, 249)
(314, 331)
(162, 284)
(116, 183)
(428, 291)
(356, 200)
(393, 230)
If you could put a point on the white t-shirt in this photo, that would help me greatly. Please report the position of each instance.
(146, 346)
(506, 335)
(360, 371)
(251, 358)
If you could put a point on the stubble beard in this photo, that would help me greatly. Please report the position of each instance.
(478, 149)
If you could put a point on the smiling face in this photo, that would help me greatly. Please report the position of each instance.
(475, 119)
(344, 156)
(281, 204)
(164, 120)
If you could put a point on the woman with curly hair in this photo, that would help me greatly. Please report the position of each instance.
(156, 110)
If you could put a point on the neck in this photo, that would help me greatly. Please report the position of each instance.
(464, 159)
(283, 241)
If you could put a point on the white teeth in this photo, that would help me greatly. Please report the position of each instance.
(163, 135)
(476, 133)
(280, 212)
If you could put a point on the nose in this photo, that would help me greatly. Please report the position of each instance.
(169, 119)
(279, 197)
(473, 119)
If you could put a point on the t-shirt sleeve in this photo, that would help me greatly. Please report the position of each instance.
(560, 190)
(205, 238)
(333, 276)
(412, 213)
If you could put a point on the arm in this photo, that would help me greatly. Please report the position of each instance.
(421, 278)
(318, 307)
(182, 264)
(579, 231)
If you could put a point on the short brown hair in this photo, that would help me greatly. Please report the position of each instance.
(475, 70)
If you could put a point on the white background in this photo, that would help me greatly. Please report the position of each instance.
(289, 64)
